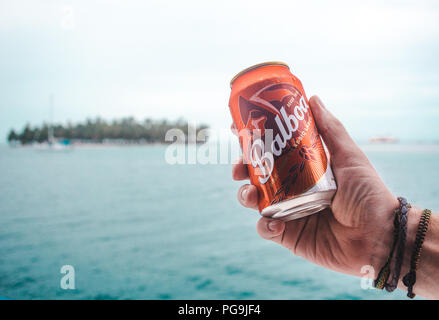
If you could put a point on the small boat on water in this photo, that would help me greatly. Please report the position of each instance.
(383, 139)
(54, 145)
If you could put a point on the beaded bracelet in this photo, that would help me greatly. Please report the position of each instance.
(403, 211)
(409, 279)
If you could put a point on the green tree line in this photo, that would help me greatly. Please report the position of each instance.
(98, 130)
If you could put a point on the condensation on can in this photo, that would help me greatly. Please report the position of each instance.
(281, 145)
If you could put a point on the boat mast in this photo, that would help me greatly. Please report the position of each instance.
(50, 137)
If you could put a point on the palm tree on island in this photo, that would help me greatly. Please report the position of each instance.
(98, 131)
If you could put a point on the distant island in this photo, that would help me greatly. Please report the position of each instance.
(99, 131)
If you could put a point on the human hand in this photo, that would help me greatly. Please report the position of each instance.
(358, 228)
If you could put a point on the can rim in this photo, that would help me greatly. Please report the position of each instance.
(256, 66)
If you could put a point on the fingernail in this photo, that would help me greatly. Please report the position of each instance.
(244, 192)
(274, 225)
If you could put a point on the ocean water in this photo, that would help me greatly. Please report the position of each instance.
(135, 227)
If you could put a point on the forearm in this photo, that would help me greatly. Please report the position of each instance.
(427, 279)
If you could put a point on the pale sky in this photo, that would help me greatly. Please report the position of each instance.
(375, 65)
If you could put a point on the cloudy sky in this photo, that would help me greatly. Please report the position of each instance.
(375, 65)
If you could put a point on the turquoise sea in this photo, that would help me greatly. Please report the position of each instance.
(135, 227)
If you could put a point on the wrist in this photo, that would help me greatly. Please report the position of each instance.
(426, 280)
(382, 240)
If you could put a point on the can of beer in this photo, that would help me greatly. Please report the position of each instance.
(281, 146)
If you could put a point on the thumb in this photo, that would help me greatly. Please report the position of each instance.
(331, 129)
(271, 229)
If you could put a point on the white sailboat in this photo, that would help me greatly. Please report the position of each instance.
(52, 142)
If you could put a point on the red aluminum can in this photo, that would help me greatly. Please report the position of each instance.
(281, 145)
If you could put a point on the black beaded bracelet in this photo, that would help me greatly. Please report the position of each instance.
(403, 211)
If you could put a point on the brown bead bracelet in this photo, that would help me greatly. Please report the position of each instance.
(409, 279)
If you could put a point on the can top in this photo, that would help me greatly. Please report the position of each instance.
(256, 66)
